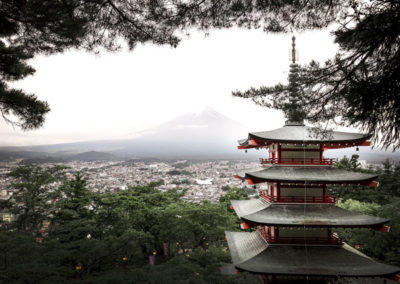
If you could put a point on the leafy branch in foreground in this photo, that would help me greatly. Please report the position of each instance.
(31, 27)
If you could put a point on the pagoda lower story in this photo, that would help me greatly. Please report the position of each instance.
(251, 252)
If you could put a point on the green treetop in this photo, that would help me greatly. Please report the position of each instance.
(293, 108)
(288, 98)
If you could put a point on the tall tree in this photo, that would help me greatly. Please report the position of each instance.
(359, 87)
(36, 195)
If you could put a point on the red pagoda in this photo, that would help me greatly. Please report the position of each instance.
(294, 217)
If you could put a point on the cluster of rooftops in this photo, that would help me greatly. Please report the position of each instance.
(291, 222)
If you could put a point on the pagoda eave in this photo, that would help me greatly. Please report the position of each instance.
(250, 253)
(309, 175)
(370, 183)
(300, 134)
(315, 261)
(300, 215)
(316, 224)
(259, 141)
(324, 145)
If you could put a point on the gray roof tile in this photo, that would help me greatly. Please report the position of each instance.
(309, 260)
(307, 174)
(246, 207)
(244, 246)
(306, 134)
(316, 215)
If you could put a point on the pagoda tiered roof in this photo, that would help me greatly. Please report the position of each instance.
(299, 133)
(246, 207)
(315, 175)
(294, 215)
(252, 253)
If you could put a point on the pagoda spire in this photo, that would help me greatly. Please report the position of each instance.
(293, 49)
(293, 112)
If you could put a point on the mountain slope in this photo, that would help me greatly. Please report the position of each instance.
(208, 133)
(204, 135)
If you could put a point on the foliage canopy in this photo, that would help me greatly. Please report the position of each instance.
(60, 225)
(382, 201)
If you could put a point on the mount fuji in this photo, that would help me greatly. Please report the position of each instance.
(204, 135)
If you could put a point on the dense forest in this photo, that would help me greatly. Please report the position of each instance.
(63, 232)
(382, 201)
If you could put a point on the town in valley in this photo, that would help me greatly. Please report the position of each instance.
(201, 180)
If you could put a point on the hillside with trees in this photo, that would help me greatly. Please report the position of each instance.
(64, 232)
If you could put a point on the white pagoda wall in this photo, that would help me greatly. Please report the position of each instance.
(299, 155)
(302, 232)
(299, 146)
(309, 192)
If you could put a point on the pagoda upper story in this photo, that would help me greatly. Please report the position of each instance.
(295, 143)
(295, 136)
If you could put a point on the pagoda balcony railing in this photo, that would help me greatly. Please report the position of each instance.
(332, 240)
(306, 240)
(296, 161)
(299, 199)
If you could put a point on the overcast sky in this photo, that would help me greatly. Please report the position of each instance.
(114, 94)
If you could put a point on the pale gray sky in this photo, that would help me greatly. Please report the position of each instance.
(112, 95)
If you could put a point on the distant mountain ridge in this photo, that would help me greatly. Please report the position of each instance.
(204, 135)
(85, 156)
(206, 120)
(94, 156)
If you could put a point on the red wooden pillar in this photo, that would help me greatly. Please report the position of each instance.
(268, 279)
(320, 153)
(279, 153)
(278, 191)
